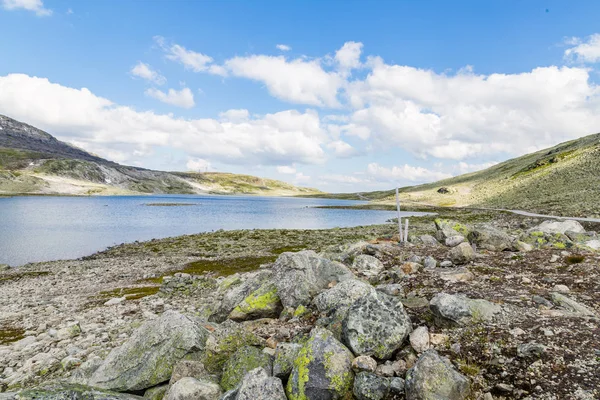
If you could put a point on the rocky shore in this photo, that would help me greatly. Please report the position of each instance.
(478, 305)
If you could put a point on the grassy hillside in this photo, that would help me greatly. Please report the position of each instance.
(562, 180)
(34, 162)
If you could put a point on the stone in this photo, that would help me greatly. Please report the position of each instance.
(285, 354)
(189, 369)
(457, 275)
(41, 364)
(553, 226)
(434, 377)
(368, 386)
(264, 302)
(115, 301)
(453, 241)
(236, 292)
(485, 236)
(367, 266)
(409, 268)
(561, 289)
(376, 326)
(194, 389)
(571, 305)
(241, 362)
(437, 339)
(446, 228)
(397, 387)
(70, 362)
(462, 254)
(257, 384)
(390, 368)
(446, 264)
(459, 309)
(530, 350)
(342, 295)
(593, 244)
(429, 240)
(68, 332)
(323, 369)
(156, 392)
(391, 289)
(523, 247)
(67, 391)
(301, 276)
(419, 339)
(150, 354)
(364, 363)
(429, 262)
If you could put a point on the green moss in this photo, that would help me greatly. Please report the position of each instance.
(301, 373)
(263, 298)
(300, 311)
(132, 293)
(574, 259)
(340, 382)
(226, 267)
(10, 335)
(559, 245)
(240, 363)
(22, 275)
(214, 358)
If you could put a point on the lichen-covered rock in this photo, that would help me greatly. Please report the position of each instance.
(224, 341)
(376, 326)
(322, 370)
(571, 305)
(156, 392)
(236, 291)
(453, 241)
(364, 364)
(462, 254)
(243, 361)
(285, 355)
(368, 386)
(554, 226)
(344, 253)
(64, 391)
(194, 389)
(300, 276)
(367, 266)
(485, 236)
(264, 302)
(434, 378)
(148, 357)
(342, 295)
(543, 240)
(429, 240)
(257, 384)
(189, 369)
(458, 309)
(447, 228)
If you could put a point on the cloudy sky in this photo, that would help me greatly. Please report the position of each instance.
(342, 96)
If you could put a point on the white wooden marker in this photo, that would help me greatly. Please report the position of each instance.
(399, 219)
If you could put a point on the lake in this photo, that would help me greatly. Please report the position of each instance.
(52, 228)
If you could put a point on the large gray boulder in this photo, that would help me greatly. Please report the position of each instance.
(447, 228)
(237, 293)
(194, 389)
(65, 391)
(300, 276)
(285, 355)
(367, 266)
(342, 295)
(243, 361)
(434, 378)
(148, 357)
(554, 226)
(264, 302)
(376, 325)
(368, 386)
(462, 254)
(257, 384)
(485, 236)
(323, 369)
(459, 309)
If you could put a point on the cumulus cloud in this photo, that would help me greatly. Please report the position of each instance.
(79, 115)
(300, 178)
(586, 51)
(286, 169)
(191, 60)
(234, 115)
(145, 71)
(348, 56)
(404, 173)
(283, 47)
(183, 98)
(342, 149)
(36, 6)
(198, 165)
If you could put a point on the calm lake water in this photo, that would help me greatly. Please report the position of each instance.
(52, 228)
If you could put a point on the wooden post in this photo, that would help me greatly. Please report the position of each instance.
(406, 230)
(399, 219)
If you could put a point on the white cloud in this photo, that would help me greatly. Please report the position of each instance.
(348, 56)
(299, 80)
(464, 168)
(344, 179)
(300, 178)
(145, 71)
(198, 165)
(183, 98)
(283, 47)
(235, 115)
(79, 115)
(192, 60)
(404, 173)
(587, 51)
(37, 6)
(342, 149)
(286, 169)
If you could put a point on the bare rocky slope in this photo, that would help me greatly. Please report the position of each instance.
(34, 162)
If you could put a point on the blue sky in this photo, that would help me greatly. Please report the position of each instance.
(358, 96)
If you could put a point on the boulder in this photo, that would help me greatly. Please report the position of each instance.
(485, 236)
(148, 357)
(189, 369)
(458, 309)
(433, 378)
(457, 275)
(453, 241)
(419, 339)
(264, 302)
(243, 361)
(571, 305)
(376, 326)
(542, 240)
(65, 391)
(367, 266)
(429, 240)
(194, 389)
(323, 369)
(462, 254)
(342, 295)
(300, 276)
(429, 262)
(364, 363)
(257, 384)
(447, 228)
(285, 354)
(368, 386)
(554, 226)
(237, 291)
(156, 392)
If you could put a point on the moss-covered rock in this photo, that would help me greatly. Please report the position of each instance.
(243, 361)
(285, 355)
(257, 384)
(368, 386)
(322, 370)
(64, 391)
(262, 303)
(433, 378)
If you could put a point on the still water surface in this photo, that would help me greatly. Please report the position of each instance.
(53, 228)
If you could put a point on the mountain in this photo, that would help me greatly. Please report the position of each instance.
(34, 162)
(561, 180)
